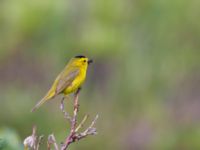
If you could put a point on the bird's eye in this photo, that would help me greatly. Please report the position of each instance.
(84, 61)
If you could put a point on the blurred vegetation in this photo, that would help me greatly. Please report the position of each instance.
(9, 139)
(144, 83)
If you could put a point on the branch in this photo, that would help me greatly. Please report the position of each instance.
(66, 114)
(74, 135)
(33, 142)
(91, 130)
(82, 123)
(39, 142)
(52, 140)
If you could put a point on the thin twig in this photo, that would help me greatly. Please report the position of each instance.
(66, 114)
(82, 123)
(39, 142)
(89, 131)
(70, 138)
(30, 141)
(34, 136)
(74, 136)
(92, 124)
(52, 140)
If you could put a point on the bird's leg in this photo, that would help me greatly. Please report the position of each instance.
(77, 91)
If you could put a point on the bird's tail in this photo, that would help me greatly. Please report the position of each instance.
(49, 96)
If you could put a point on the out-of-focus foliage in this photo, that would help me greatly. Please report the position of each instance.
(144, 83)
(9, 139)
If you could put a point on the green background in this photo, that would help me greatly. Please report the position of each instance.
(144, 82)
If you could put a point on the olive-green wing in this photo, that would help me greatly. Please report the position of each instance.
(66, 79)
(63, 80)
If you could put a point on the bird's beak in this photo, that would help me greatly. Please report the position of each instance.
(90, 61)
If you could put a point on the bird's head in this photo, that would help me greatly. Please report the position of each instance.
(81, 61)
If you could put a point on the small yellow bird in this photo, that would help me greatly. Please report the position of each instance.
(69, 80)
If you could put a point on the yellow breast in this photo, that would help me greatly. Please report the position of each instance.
(78, 81)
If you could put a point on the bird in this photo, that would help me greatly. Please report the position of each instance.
(69, 80)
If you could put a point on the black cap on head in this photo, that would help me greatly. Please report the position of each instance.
(80, 56)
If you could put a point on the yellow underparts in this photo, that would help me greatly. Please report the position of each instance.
(76, 83)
